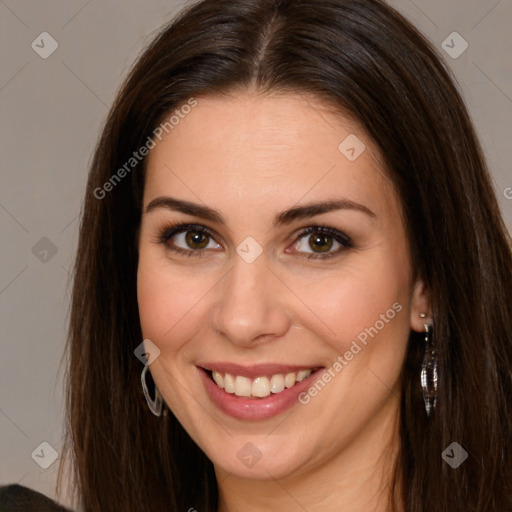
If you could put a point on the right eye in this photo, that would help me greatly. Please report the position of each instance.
(188, 239)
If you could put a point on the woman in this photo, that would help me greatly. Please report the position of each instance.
(292, 289)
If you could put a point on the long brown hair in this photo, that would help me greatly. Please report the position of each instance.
(365, 59)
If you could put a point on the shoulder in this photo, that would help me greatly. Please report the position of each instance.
(17, 498)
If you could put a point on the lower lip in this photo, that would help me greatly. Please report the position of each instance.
(255, 408)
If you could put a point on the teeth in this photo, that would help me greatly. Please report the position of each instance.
(218, 378)
(289, 380)
(302, 375)
(243, 386)
(261, 386)
(277, 383)
(229, 383)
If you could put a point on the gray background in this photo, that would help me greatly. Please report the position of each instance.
(52, 111)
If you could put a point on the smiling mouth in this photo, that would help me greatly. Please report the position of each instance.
(260, 387)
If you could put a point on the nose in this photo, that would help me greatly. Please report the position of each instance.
(251, 306)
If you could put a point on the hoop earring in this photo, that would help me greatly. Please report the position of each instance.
(429, 373)
(155, 406)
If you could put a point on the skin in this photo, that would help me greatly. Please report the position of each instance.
(251, 156)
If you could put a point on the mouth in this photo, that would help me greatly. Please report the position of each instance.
(259, 387)
(257, 392)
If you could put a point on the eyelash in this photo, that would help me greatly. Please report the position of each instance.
(169, 231)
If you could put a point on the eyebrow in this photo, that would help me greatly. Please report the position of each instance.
(285, 217)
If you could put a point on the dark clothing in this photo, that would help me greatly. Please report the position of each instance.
(17, 498)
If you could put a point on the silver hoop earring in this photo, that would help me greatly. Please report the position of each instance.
(155, 406)
(429, 373)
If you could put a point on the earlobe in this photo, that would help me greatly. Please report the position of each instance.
(421, 310)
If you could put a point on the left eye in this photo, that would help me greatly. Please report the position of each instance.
(319, 243)
(322, 242)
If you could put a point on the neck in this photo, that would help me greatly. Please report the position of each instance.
(358, 479)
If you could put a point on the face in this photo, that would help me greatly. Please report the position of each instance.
(273, 260)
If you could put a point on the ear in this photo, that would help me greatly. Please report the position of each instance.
(420, 303)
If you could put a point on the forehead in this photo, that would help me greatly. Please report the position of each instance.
(261, 150)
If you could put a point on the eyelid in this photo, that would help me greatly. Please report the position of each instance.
(317, 228)
(174, 229)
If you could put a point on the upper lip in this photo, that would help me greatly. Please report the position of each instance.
(257, 370)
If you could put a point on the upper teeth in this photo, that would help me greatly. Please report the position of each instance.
(261, 386)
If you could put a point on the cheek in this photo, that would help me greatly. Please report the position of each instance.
(368, 298)
(167, 301)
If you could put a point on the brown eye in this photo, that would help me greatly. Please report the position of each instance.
(196, 239)
(188, 239)
(320, 242)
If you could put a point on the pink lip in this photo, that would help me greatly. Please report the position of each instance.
(258, 370)
(256, 408)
